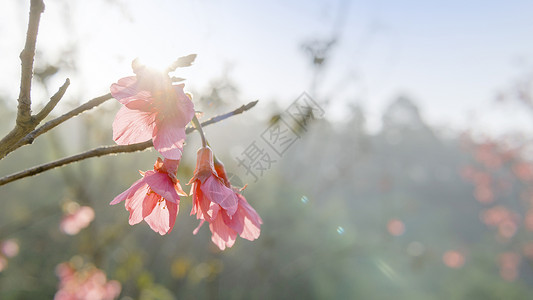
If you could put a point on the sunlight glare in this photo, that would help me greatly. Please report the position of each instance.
(156, 62)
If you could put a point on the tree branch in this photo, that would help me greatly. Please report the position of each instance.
(30, 137)
(24, 121)
(107, 150)
(239, 110)
(20, 136)
(52, 103)
(26, 56)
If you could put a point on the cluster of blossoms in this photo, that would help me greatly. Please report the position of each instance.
(155, 108)
(87, 282)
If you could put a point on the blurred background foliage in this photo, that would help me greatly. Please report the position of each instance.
(411, 211)
(346, 214)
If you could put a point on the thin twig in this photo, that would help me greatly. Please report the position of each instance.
(28, 139)
(19, 136)
(47, 109)
(107, 150)
(239, 110)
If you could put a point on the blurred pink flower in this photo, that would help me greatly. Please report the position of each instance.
(155, 197)
(453, 259)
(153, 109)
(76, 219)
(505, 220)
(395, 227)
(9, 248)
(215, 201)
(87, 283)
(524, 171)
(509, 263)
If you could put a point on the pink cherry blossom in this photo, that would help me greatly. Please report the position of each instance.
(155, 197)
(215, 201)
(245, 222)
(76, 219)
(208, 187)
(153, 109)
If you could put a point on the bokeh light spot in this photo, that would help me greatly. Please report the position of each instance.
(453, 259)
(340, 230)
(395, 227)
(10, 248)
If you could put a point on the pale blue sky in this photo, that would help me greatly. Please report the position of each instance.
(449, 56)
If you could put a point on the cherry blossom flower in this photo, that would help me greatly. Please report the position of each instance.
(76, 218)
(86, 283)
(215, 201)
(154, 109)
(155, 197)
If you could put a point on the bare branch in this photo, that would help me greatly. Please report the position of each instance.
(52, 103)
(28, 139)
(18, 136)
(107, 150)
(24, 121)
(239, 110)
(26, 57)
(100, 151)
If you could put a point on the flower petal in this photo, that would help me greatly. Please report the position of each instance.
(195, 231)
(202, 207)
(163, 217)
(250, 211)
(150, 201)
(125, 87)
(127, 91)
(246, 222)
(218, 193)
(132, 126)
(222, 235)
(162, 184)
(184, 106)
(135, 186)
(134, 204)
(169, 138)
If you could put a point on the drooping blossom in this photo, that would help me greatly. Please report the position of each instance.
(76, 218)
(85, 283)
(154, 109)
(223, 207)
(155, 197)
